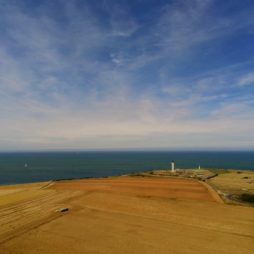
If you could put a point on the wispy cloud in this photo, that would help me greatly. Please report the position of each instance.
(82, 75)
(247, 79)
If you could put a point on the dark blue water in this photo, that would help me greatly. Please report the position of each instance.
(32, 167)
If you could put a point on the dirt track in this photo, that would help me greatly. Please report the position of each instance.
(122, 215)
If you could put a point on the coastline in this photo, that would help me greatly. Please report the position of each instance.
(42, 166)
(228, 195)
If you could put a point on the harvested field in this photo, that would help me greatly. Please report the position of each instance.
(122, 215)
(24, 206)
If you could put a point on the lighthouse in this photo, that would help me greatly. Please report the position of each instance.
(173, 166)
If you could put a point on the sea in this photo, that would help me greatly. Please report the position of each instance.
(25, 167)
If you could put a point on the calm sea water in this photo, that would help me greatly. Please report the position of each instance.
(32, 167)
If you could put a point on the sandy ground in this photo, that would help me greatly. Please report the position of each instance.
(122, 215)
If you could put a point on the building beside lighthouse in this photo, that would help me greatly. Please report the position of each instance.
(173, 166)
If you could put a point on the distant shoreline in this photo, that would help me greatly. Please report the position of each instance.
(134, 173)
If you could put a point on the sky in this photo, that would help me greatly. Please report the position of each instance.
(141, 74)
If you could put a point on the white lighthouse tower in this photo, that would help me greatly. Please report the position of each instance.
(173, 166)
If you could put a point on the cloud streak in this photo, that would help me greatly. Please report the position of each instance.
(77, 75)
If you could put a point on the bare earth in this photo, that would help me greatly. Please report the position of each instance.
(122, 215)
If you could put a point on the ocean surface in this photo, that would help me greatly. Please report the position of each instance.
(41, 166)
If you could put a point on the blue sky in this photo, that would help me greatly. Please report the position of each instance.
(126, 74)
